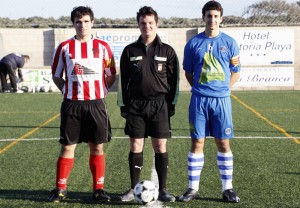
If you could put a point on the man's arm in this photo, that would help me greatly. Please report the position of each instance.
(189, 77)
(173, 78)
(110, 80)
(20, 74)
(123, 83)
(59, 82)
(124, 79)
(173, 81)
(234, 78)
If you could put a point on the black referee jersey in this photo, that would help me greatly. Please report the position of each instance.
(148, 73)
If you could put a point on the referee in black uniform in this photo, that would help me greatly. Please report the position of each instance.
(149, 74)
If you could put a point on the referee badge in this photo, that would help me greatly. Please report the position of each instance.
(161, 61)
(160, 67)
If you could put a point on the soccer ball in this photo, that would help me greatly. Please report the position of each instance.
(145, 192)
(24, 88)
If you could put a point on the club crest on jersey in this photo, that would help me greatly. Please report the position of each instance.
(223, 48)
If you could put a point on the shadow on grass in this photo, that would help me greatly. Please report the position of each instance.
(41, 196)
(72, 197)
(211, 199)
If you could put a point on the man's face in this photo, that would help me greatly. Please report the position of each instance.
(148, 26)
(212, 19)
(83, 26)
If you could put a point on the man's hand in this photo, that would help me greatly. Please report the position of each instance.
(123, 111)
(171, 109)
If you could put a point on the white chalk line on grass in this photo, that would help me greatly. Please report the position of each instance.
(174, 137)
(154, 177)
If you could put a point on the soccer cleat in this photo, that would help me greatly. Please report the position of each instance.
(127, 196)
(229, 195)
(189, 195)
(165, 196)
(101, 196)
(57, 195)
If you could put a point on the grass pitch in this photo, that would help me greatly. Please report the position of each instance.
(266, 153)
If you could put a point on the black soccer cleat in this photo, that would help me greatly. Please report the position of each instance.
(229, 195)
(165, 196)
(57, 195)
(189, 195)
(101, 196)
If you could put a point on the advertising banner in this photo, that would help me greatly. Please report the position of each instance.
(266, 77)
(37, 80)
(265, 46)
(118, 41)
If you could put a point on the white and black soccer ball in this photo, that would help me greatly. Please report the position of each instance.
(145, 192)
(25, 88)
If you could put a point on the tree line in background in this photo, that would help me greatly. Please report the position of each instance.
(265, 13)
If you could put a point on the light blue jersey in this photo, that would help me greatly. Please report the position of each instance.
(211, 61)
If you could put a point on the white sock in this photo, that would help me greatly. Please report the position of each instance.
(195, 165)
(225, 165)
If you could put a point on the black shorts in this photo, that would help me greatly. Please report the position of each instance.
(84, 121)
(148, 118)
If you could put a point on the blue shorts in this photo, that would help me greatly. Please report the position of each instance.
(210, 116)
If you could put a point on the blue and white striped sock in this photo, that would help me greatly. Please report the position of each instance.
(225, 165)
(195, 165)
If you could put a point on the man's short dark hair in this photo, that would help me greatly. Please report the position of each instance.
(146, 11)
(81, 11)
(26, 57)
(212, 5)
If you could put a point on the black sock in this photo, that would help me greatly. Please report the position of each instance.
(161, 166)
(135, 161)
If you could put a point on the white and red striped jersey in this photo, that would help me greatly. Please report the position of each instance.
(84, 66)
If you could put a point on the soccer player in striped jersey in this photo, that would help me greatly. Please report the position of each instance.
(211, 64)
(83, 68)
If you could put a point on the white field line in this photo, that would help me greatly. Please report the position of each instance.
(154, 179)
(174, 137)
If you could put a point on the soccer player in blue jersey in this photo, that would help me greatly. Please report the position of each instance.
(211, 64)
